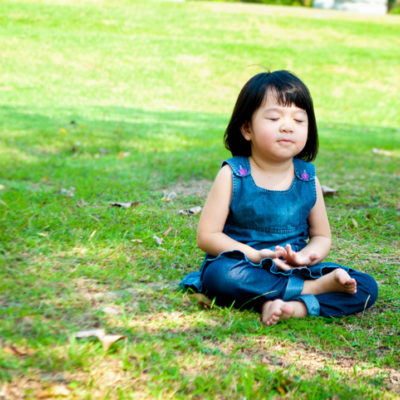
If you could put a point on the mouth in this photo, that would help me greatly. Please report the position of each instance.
(285, 141)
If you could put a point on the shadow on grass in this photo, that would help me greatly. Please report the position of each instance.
(50, 242)
(155, 136)
(209, 353)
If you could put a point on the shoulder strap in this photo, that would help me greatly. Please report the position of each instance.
(304, 170)
(240, 165)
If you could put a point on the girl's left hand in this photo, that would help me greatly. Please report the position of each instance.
(291, 259)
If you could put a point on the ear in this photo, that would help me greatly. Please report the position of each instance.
(246, 131)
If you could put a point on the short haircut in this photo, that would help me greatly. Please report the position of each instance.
(289, 90)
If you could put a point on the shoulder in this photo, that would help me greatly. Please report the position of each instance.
(224, 173)
(318, 185)
(223, 179)
(220, 194)
(304, 170)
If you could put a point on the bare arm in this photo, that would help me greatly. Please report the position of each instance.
(320, 236)
(320, 231)
(210, 236)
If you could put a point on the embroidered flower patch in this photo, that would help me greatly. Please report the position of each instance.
(304, 175)
(242, 171)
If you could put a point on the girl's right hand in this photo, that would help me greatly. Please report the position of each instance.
(267, 253)
(279, 257)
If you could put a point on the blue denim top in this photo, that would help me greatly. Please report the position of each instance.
(265, 218)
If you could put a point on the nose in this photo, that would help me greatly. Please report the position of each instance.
(286, 125)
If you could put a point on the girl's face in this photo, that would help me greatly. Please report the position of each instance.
(276, 132)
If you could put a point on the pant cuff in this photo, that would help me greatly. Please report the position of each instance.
(293, 288)
(311, 303)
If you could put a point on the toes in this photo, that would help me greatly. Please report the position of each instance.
(273, 320)
(271, 313)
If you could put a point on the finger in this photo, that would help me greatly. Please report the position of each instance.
(282, 265)
(268, 253)
(281, 251)
(289, 250)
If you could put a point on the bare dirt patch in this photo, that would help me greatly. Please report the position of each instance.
(196, 188)
(284, 354)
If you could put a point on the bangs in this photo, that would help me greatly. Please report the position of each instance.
(288, 95)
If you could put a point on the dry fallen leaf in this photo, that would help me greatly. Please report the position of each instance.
(167, 232)
(82, 203)
(169, 196)
(68, 192)
(106, 340)
(354, 222)
(54, 391)
(158, 240)
(327, 191)
(3, 391)
(18, 351)
(202, 300)
(111, 310)
(382, 152)
(190, 211)
(43, 234)
(123, 154)
(124, 205)
(137, 240)
(90, 333)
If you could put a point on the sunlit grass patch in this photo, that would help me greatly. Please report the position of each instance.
(109, 101)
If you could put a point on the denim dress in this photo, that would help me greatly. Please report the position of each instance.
(263, 219)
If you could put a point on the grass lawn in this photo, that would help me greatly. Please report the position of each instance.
(117, 100)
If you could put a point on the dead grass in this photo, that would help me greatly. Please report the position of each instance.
(172, 347)
(107, 376)
(197, 188)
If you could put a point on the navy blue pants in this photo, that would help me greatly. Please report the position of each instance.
(231, 278)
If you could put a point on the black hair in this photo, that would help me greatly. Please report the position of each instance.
(289, 90)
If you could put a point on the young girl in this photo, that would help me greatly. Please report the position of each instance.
(264, 226)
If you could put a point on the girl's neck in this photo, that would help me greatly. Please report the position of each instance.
(272, 175)
(269, 166)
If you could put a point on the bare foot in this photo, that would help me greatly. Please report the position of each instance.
(348, 284)
(336, 281)
(273, 311)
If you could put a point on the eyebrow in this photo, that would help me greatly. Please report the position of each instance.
(278, 109)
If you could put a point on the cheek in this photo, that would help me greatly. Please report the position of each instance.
(305, 134)
(304, 137)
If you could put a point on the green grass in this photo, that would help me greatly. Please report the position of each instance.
(84, 83)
